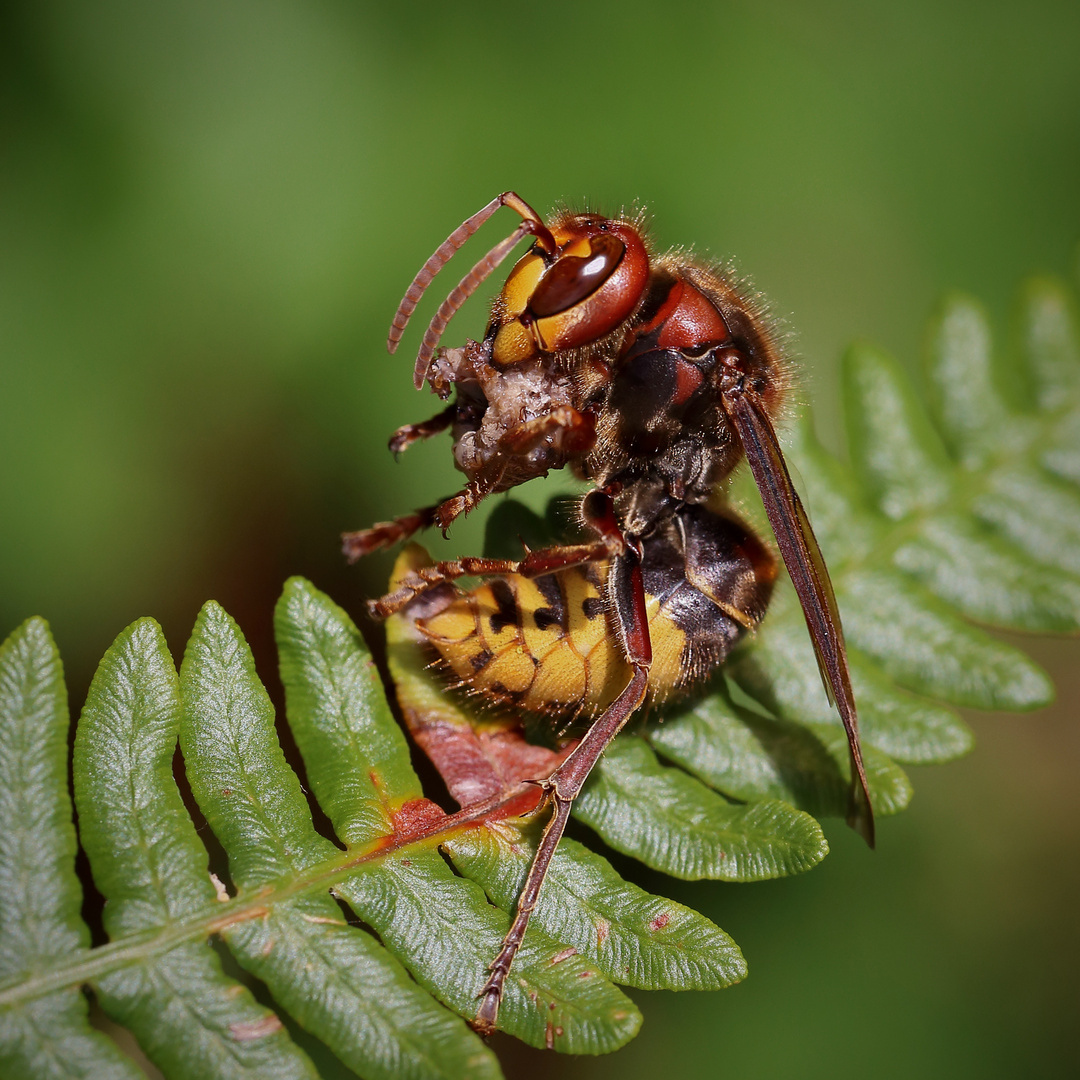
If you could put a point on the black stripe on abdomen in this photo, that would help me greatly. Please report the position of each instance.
(555, 613)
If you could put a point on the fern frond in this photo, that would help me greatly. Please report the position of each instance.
(961, 506)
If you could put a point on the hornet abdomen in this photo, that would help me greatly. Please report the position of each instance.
(547, 645)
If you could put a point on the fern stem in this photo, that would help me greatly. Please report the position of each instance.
(98, 962)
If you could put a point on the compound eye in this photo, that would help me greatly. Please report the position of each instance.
(574, 277)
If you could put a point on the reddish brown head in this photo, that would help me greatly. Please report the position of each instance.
(579, 281)
(587, 289)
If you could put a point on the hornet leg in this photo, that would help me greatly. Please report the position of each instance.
(564, 784)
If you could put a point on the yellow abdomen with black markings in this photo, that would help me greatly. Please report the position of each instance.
(545, 644)
(549, 644)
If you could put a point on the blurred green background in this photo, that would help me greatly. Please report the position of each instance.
(208, 211)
